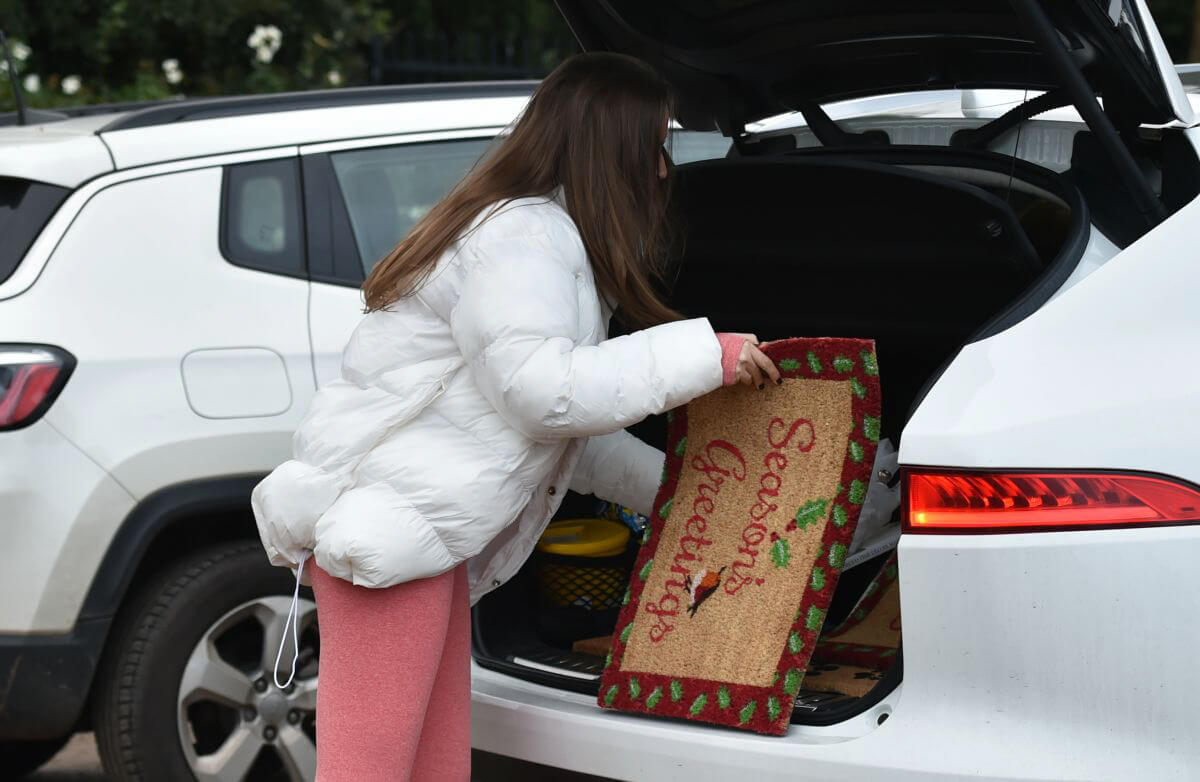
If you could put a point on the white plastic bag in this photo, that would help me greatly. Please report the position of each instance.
(875, 532)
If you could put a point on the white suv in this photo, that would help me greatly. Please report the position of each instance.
(175, 282)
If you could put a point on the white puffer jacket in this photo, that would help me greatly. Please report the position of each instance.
(463, 414)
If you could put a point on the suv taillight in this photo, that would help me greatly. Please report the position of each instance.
(30, 378)
(966, 502)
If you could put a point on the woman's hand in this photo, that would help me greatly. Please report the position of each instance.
(749, 365)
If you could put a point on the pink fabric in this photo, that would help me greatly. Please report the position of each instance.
(395, 695)
(731, 349)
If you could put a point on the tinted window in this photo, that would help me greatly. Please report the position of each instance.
(24, 209)
(260, 216)
(388, 189)
(688, 146)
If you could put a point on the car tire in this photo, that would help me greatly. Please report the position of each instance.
(22, 758)
(185, 690)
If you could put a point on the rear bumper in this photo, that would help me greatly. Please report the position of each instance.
(44, 680)
(58, 508)
(58, 512)
(568, 730)
(921, 742)
(1049, 656)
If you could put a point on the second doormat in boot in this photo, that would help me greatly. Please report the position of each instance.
(759, 499)
(854, 656)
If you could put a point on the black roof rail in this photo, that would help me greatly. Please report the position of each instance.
(241, 105)
(60, 113)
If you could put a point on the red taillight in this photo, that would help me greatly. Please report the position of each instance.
(1038, 501)
(30, 377)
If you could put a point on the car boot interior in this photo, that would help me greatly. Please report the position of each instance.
(920, 249)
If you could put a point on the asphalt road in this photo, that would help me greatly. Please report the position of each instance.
(78, 762)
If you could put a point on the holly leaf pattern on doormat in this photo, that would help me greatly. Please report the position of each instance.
(760, 496)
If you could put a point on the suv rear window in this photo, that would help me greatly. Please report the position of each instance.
(260, 216)
(25, 207)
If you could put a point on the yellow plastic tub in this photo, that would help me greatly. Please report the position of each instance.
(583, 563)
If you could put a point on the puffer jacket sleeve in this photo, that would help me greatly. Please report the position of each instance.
(517, 324)
(620, 468)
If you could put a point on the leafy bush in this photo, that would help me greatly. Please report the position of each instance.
(70, 52)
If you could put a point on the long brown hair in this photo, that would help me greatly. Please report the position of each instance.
(592, 126)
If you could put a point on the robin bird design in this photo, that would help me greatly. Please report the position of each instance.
(701, 586)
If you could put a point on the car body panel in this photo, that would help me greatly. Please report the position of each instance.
(1101, 376)
(65, 153)
(218, 135)
(1018, 655)
(59, 508)
(1035, 641)
(34, 262)
(172, 272)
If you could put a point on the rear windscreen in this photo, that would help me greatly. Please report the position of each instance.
(25, 207)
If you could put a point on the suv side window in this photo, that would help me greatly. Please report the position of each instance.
(260, 216)
(388, 189)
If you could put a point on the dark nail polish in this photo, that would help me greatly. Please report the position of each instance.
(760, 386)
(779, 382)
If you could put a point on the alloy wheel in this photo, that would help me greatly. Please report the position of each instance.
(234, 723)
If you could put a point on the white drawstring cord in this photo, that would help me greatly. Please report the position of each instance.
(293, 618)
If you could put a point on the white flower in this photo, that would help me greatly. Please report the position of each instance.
(265, 41)
(334, 77)
(20, 51)
(172, 71)
(32, 83)
(71, 84)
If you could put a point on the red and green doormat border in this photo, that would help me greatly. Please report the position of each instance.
(761, 709)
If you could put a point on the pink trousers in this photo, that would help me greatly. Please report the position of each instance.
(394, 701)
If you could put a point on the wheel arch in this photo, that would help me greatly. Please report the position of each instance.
(58, 673)
(172, 520)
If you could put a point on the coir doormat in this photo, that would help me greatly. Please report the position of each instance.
(759, 499)
(854, 656)
(870, 635)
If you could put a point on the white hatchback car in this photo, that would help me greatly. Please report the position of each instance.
(176, 281)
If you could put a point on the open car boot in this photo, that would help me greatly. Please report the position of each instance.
(917, 249)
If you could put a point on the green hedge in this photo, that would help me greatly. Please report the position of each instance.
(72, 52)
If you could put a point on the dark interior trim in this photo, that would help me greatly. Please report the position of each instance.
(1056, 272)
(333, 251)
(1076, 86)
(1052, 276)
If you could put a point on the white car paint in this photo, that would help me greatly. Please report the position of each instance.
(1026, 656)
(66, 153)
(142, 146)
(1102, 376)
